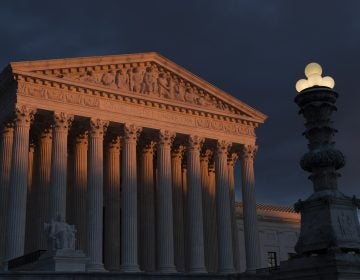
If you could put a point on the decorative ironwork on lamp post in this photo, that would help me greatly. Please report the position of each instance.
(329, 221)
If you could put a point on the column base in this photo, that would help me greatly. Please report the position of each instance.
(198, 270)
(227, 270)
(130, 268)
(95, 267)
(167, 269)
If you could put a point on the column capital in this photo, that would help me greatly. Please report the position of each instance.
(98, 127)
(131, 132)
(212, 167)
(178, 151)
(247, 152)
(62, 120)
(195, 142)
(206, 155)
(147, 145)
(113, 141)
(166, 137)
(24, 115)
(223, 146)
(232, 158)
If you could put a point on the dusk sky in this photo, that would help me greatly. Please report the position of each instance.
(255, 50)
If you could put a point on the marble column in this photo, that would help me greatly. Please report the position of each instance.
(112, 204)
(252, 247)
(58, 177)
(94, 202)
(194, 207)
(205, 187)
(129, 232)
(213, 252)
(164, 203)
(30, 236)
(226, 263)
(147, 207)
(79, 188)
(235, 231)
(16, 218)
(6, 142)
(186, 231)
(178, 207)
(41, 189)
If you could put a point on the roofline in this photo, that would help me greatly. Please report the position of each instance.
(59, 63)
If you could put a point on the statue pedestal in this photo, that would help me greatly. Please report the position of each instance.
(331, 266)
(63, 260)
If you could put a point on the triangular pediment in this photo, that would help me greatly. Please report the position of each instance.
(148, 74)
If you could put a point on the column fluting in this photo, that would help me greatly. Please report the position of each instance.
(213, 261)
(6, 143)
(129, 232)
(235, 231)
(58, 177)
(178, 207)
(165, 236)
(95, 192)
(226, 263)
(79, 188)
(194, 207)
(112, 204)
(41, 189)
(205, 187)
(147, 207)
(16, 218)
(252, 247)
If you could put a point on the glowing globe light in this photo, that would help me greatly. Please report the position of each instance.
(313, 73)
(301, 85)
(313, 68)
(328, 82)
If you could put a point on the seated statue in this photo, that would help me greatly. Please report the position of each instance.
(60, 234)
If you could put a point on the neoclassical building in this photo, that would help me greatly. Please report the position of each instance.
(137, 153)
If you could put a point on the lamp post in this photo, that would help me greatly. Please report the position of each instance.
(329, 221)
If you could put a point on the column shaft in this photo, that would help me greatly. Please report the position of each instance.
(194, 207)
(165, 236)
(129, 232)
(79, 189)
(6, 143)
(235, 231)
(16, 218)
(178, 207)
(112, 204)
(205, 186)
(95, 195)
(147, 208)
(213, 252)
(226, 263)
(59, 166)
(41, 189)
(252, 247)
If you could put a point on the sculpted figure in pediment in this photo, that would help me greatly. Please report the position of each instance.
(149, 84)
(180, 90)
(189, 94)
(136, 79)
(108, 79)
(163, 85)
(122, 79)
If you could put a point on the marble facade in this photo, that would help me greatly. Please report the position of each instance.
(137, 153)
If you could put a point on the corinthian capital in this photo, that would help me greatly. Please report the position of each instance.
(232, 158)
(178, 151)
(62, 120)
(147, 145)
(206, 155)
(166, 137)
(223, 147)
(131, 132)
(195, 142)
(248, 152)
(23, 115)
(98, 127)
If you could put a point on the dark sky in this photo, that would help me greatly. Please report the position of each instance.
(255, 50)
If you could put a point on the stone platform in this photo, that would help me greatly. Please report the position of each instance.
(122, 276)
